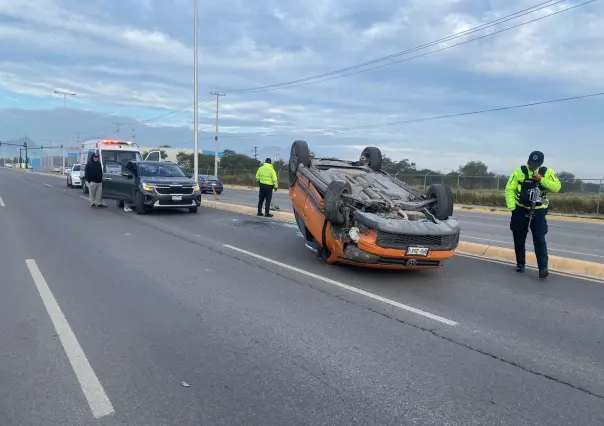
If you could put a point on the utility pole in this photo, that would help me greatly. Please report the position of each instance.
(65, 94)
(256, 153)
(133, 134)
(195, 92)
(52, 157)
(25, 146)
(218, 95)
(117, 129)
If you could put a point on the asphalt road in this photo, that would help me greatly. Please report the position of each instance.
(106, 313)
(577, 240)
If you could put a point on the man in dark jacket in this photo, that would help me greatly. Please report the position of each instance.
(93, 175)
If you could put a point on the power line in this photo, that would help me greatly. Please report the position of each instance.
(175, 113)
(461, 114)
(421, 119)
(331, 76)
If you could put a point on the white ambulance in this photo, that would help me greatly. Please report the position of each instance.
(113, 155)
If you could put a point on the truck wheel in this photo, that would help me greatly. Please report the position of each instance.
(372, 157)
(138, 203)
(334, 204)
(299, 154)
(442, 209)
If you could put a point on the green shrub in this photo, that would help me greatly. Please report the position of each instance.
(560, 203)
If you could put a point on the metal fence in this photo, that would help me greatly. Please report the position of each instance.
(471, 183)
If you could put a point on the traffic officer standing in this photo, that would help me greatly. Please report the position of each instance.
(518, 192)
(267, 178)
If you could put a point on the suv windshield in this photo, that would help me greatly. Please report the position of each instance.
(114, 161)
(160, 170)
(76, 168)
(208, 177)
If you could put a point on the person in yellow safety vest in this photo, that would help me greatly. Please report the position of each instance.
(267, 178)
(528, 184)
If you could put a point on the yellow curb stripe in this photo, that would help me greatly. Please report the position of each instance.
(580, 269)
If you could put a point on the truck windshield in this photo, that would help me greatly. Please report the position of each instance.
(114, 161)
(160, 170)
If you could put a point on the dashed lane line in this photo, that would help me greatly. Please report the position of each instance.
(346, 287)
(99, 402)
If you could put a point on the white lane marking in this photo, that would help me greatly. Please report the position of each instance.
(85, 198)
(346, 287)
(91, 386)
(50, 186)
(529, 245)
(2, 202)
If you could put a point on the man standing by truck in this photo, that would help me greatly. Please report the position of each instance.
(526, 196)
(267, 178)
(93, 177)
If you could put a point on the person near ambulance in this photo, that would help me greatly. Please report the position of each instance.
(517, 196)
(93, 177)
(267, 178)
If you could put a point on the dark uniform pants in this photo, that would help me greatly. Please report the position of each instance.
(266, 193)
(519, 226)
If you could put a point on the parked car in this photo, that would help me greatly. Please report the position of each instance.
(56, 170)
(73, 176)
(151, 185)
(353, 212)
(210, 183)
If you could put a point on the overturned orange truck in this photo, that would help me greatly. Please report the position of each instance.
(353, 212)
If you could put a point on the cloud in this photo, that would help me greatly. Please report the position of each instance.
(134, 59)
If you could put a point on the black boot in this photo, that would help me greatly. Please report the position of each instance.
(520, 268)
(543, 273)
(259, 214)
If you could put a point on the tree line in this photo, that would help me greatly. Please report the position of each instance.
(472, 175)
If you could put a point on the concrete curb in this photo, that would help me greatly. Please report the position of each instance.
(564, 265)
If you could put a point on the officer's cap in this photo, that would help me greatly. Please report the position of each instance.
(536, 159)
(268, 160)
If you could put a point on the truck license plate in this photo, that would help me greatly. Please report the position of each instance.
(177, 198)
(417, 251)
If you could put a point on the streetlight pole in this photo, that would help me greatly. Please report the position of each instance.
(218, 95)
(195, 93)
(65, 94)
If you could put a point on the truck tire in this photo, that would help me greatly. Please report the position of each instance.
(372, 157)
(333, 202)
(442, 209)
(138, 203)
(299, 154)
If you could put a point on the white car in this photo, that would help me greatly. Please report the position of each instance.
(73, 177)
(56, 170)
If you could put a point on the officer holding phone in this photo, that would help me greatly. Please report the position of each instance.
(526, 197)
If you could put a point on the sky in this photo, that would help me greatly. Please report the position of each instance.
(131, 62)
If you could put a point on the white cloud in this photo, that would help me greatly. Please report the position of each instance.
(138, 53)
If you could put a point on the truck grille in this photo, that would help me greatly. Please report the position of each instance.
(402, 242)
(174, 190)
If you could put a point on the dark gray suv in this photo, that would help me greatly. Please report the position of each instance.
(150, 185)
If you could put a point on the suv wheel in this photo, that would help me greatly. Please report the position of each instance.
(192, 209)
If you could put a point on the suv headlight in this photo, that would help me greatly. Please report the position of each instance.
(195, 188)
(147, 188)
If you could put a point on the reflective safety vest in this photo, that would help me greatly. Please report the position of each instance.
(521, 187)
(529, 188)
(266, 175)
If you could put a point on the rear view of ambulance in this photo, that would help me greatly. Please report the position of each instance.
(113, 155)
